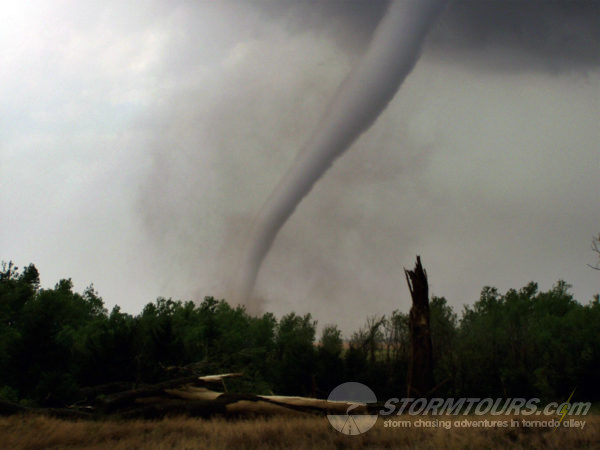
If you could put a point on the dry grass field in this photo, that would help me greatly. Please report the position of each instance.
(292, 431)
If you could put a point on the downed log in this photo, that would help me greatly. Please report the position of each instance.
(172, 407)
(219, 378)
(123, 399)
(9, 408)
(185, 396)
(91, 392)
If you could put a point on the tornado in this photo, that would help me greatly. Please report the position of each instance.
(359, 100)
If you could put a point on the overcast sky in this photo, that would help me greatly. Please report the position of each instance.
(138, 143)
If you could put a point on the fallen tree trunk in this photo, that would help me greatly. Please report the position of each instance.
(10, 408)
(124, 399)
(184, 396)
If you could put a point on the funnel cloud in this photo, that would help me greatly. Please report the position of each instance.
(360, 99)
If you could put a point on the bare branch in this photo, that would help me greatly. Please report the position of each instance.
(596, 249)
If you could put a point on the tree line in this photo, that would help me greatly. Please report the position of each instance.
(523, 343)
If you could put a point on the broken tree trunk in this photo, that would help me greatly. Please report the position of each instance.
(420, 368)
(184, 396)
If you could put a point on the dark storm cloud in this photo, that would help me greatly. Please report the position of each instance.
(522, 34)
(545, 34)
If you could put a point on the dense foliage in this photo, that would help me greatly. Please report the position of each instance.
(527, 343)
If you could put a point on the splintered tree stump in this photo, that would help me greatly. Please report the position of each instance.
(420, 369)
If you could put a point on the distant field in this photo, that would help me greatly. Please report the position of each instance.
(36, 432)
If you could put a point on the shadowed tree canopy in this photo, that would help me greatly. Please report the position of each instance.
(58, 347)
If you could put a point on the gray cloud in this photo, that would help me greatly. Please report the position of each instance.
(513, 35)
(498, 34)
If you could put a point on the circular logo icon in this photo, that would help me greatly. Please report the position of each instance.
(356, 395)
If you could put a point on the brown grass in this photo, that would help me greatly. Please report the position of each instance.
(37, 432)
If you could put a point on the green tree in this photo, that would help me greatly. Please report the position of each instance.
(329, 364)
(443, 325)
(295, 354)
(52, 322)
(16, 290)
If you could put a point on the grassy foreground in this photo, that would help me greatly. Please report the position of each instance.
(38, 432)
